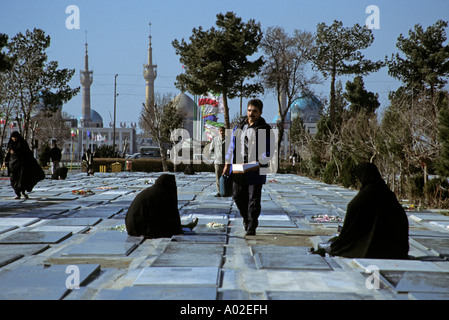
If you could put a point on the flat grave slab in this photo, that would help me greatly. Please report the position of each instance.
(96, 212)
(178, 276)
(437, 244)
(9, 258)
(415, 233)
(20, 222)
(428, 296)
(434, 282)
(428, 217)
(73, 221)
(266, 223)
(385, 265)
(168, 293)
(285, 257)
(179, 254)
(108, 243)
(4, 229)
(29, 237)
(72, 229)
(301, 295)
(200, 238)
(41, 283)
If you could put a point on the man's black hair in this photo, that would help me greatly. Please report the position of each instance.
(256, 103)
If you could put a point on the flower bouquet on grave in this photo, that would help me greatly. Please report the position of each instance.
(82, 192)
(215, 225)
(326, 218)
(120, 227)
(107, 188)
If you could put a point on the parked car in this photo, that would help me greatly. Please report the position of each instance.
(133, 156)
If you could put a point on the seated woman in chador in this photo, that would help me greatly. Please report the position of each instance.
(154, 211)
(375, 225)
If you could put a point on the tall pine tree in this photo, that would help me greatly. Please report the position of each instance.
(216, 60)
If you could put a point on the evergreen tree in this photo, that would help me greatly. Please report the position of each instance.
(216, 60)
(426, 62)
(35, 79)
(359, 98)
(339, 53)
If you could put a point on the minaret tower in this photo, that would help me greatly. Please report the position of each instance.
(86, 79)
(150, 74)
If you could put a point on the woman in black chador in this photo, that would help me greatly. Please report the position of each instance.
(375, 225)
(154, 211)
(24, 169)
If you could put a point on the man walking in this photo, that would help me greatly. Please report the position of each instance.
(218, 145)
(244, 149)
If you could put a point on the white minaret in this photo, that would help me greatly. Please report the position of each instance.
(149, 74)
(86, 79)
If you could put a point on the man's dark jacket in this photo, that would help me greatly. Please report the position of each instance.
(252, 177)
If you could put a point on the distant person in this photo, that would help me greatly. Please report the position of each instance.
(25, 172)
(88, 160)
(218, 146)
(60, 173)
(55, 155)
(154, 211)
(375, 225)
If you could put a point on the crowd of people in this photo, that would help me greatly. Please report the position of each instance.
(375, 225)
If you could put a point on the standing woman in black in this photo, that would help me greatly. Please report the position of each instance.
(25, 171)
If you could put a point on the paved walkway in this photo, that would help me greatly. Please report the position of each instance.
(62, 245)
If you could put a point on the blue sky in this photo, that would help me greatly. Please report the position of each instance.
(118, 39)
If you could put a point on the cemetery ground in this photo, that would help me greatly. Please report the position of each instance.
(68, 241)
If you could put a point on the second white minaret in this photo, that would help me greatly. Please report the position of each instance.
(149, 74)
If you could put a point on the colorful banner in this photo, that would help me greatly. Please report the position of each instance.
(210, 107)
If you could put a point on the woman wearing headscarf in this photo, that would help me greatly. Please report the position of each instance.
(154, 211)
(375, 225)
(24, 169)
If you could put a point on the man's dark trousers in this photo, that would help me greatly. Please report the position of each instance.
(247, 198)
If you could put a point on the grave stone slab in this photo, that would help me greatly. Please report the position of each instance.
(168, 293)
(8, 258)
(4, 229)
(72, 229)
(386, 265)
(437, 244)
(29, 237)
(428, 296)
(178, 276)
(25, 249)
(300, 295)
(200, 238)
(265, 223)
(186, 196)
(435, 282)
(442, 224)
(73, 221)
(417, 233)
(108, 243)
(20, 222)
(428, 217)
(98, 212)
(178, 254)
(39, 282)
(284, 257)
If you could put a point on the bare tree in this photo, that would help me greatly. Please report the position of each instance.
(285, 70)
(51, 125)
(159, 119)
